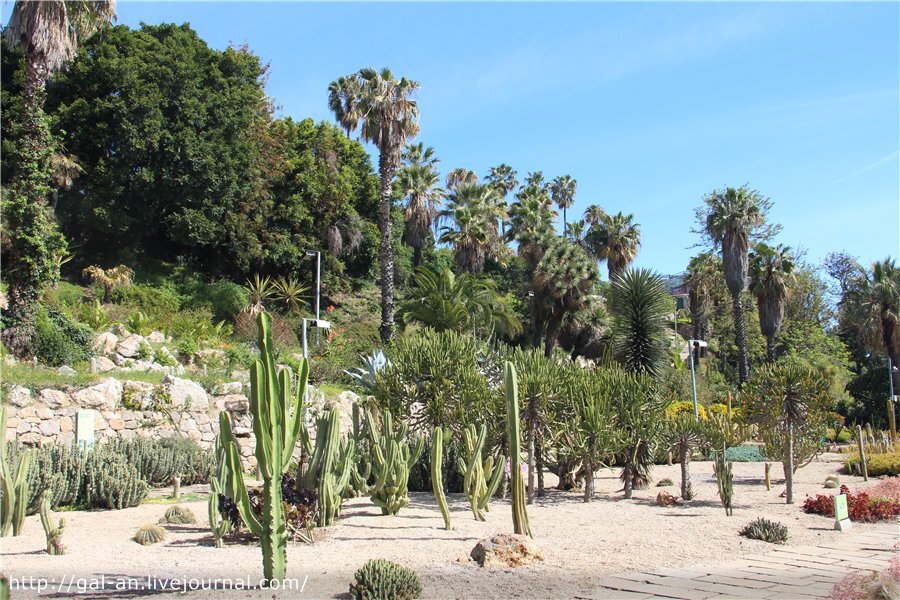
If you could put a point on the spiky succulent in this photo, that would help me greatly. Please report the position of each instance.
(385, 579)
(766, 531)
(149, 534)
(178, 515)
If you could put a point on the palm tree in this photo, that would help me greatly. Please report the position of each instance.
(872, 302)
(49, 33)
(415, 155)
(731, 218)
(562, 283)
(771, 272)
(64, 169)
(703, 273)
(389, 118)
(460, 176)
(419, 184)
(638, 301)
(593, 214)
(343, 100)
(576, 231)
(615, 239)
(503, 179)
(535, 179)
(109, 278)
(472, 209)
(443, 301)
(562, 190)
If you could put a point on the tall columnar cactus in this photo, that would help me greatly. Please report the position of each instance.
(437, 479)
(517, 480)
(725, 480)
(476, 471)
(219, 524)
(393, 461)
(330, 466)
(53, 533)
(13, 487)
(362, 468)
(277, 420)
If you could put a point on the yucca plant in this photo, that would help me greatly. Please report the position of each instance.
(638, 301)
(260, 288)
(290, 292)
(109, 278)
(684, 432)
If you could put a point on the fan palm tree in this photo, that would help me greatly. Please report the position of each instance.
(442, 301)
(389, 118)
(615, 239)
(703, 273)
(639, 307)
(593, 214)
(415, 155)
(531, 224)
(535, 179)
(472, 211)
(460, 176)
(64, 169)
(872, 302)
(343, 100)
(731, 218)
(771, 273)
(562, 190)
(503, 179)
(562, 283)
(419, 184)
(109, 278)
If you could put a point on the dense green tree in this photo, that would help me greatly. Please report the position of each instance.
(771, 274)
(732, 219)
(615, 239)
(390, 117)
(872, 303)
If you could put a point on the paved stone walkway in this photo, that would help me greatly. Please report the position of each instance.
(798, 572)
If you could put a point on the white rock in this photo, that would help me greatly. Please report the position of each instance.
(233, 403)
(105, 343)
(66, 370)
(119, 330)
(156, 337)
(183, 392)
(120, 361)
(104, 395)
(130, 346)
(49, 427)
(19, 396)
(53, 398)
(101, 364)
(179, 370)
(224, 389)
(139, 393)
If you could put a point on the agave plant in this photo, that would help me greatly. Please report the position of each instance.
(372, 366)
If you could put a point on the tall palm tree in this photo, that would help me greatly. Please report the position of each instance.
(731, 218)
(419, 155)
(64, 169)
(343, 100)
(872, 302)
(615, 239)
(461, 176)
(472, 211)
(503, 179)
(593, 214)
(771, 273)
(638, 301)
(530, 224)
(389, 117)
(49, 33)
(703, 273)
(535, 179)
(562, 190)
(419, 184)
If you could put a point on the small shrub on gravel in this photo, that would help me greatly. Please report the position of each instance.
(766, 531)
(665, 482)
(861, 506)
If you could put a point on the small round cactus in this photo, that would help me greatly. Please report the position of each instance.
(149, 534)
(178, 515)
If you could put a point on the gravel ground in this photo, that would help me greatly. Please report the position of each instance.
(582, 541)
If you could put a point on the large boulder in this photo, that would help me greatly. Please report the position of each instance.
(105, 395)
(156, 337)
(232, 403)
(53, 398)
(138, 394)
(105, 343)
(184, 392)
(130, 346)
(19, 396)
(101, 364)
(225, 389)
(506, 550)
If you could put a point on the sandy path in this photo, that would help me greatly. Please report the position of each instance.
(582, 541)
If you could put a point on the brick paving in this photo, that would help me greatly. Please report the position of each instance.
(796, 572)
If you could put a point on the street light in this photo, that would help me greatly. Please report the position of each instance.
(694, 349)
(318, 256)
(892, 400)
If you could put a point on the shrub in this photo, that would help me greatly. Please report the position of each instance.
(59, 340)
(877, 464)
(224, 297)
(65, 298)
(282, 330)
(665, 482)
(178, 515)
(686, 407)
(766, 531)
(149, 534)
(379, 579)
(157, 302)
(861, 506)
(300, 508)
(843, 437)
(886, 488)
(745, 454)
(865, 585)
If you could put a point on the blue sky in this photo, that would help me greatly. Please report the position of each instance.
(648, 106)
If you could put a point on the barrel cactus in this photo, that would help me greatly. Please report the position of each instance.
(378, 579)
(149, 534)
(178, 515)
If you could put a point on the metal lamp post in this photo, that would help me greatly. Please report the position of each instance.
(694, 346)
(892, 418)
(318, 256)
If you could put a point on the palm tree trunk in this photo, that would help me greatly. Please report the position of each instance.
(386, 252)
(770, 348)
(687, 493)
(417, 256)
(565, 225)
(740, 334)
(553, 324)
(789, 464)
(588, 480)
(539, 467)
(628, 470)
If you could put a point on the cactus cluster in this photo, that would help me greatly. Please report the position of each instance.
(437, 478)
(392, 462)
(13, 487)
(517, 479)
(725, 480)
(149, 534)
(110, 482)
(766, 531)
(481, 476)
(220, 525)
(362, 470)
(277, 420)
(178, 515)
(160, 462)
(330, 466)
(382, 579)
(53, 533)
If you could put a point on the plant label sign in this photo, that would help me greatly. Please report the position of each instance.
(84, 428)
(841, 513)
